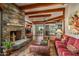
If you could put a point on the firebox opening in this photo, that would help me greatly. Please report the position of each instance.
(15, 35)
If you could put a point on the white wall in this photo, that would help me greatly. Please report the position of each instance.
(70, 9)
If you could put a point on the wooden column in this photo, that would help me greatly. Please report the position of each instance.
(0, 30)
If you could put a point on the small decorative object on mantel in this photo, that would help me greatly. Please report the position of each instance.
(10, 24)
(74, 23)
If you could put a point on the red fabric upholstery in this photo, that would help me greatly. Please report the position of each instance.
(59, 44)
(76, 44)
(76, 54)
(62, 48)
(71, 41)
(67, 54)
(40, 49)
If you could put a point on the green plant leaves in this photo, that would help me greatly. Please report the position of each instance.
(7, 44)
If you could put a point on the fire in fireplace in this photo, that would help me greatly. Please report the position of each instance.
(15, 35)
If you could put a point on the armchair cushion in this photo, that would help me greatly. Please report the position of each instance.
(61, 50)
(71, 41)
(76, 44)
(41, 50)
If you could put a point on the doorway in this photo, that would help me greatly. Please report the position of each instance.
(39, 33)
(39, 29)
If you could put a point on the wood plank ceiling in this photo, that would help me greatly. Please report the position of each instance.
(43, 12)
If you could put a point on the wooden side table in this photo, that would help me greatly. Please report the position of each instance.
(51, 44)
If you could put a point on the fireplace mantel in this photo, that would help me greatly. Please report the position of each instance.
(10, 24)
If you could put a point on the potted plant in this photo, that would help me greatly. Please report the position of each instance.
(7, 47)
(44, 42)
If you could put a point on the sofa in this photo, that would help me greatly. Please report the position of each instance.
(70, 47)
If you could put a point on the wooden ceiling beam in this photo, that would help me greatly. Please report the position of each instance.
(59, 17)
(45, 11)
(36, 5)
(1, 6)
(45, 15)
(57, 20)
(38, 22)
(16, 5)
(43, 22)
(53, 21)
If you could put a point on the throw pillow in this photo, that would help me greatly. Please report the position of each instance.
(64, 39)
(72, 49)
(76, 44)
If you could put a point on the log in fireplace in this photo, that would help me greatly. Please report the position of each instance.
(15, 35)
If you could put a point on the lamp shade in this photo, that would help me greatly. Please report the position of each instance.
(59, 31)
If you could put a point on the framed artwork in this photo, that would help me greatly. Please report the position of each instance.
(74, 23)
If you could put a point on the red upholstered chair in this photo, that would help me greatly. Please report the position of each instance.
(41, 50)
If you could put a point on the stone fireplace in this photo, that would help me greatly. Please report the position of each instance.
(13, 33)
(13, 26)
(12, 23)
